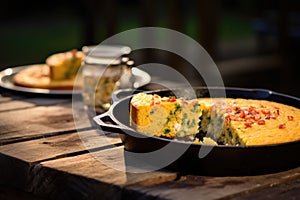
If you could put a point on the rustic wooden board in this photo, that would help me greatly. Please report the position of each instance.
(41, 153)
(29, 103)
(37, 121)
(15, 105)
(18, 159)
(47, 148)
(206, 187)
(13, 101)
(287, 190)
(105, 166)
(164, 187)
(86, 176)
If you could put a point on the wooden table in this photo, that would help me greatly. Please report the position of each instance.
(43, 157)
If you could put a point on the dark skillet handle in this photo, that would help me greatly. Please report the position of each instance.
(106, 123)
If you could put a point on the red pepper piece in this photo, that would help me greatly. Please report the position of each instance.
(282, 126)
(290, 118)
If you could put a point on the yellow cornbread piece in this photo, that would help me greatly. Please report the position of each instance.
(164, 116)
(64, 65)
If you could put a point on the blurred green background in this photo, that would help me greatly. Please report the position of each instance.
(32, 31)
(245, 45)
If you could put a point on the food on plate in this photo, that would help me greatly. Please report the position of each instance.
(227, 121)
(38, 76)
(64, 65)
(58, 72)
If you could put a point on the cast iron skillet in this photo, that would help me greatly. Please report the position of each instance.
(222, 159)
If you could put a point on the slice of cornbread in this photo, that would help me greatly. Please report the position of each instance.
(164, 116)
(64, 65)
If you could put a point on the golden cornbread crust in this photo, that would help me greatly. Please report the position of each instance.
(244, 122)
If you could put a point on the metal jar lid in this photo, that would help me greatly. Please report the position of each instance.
(105, 54)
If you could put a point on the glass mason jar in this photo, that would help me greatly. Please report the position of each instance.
(104, 69)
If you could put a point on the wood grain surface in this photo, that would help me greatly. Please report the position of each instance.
(44, 155)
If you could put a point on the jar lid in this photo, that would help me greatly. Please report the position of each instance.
(105, 54)
(106, 50)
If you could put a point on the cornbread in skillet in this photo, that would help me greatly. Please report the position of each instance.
(229, 121)
(164, 116)
(249, 122)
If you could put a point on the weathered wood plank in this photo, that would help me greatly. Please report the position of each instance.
(13, 101)
(15, 105)
(108, 165)
(78, 172)
(206, 187)
(40, 120)
(18, 159)
(47, 148)
(29, 103)
(187, 186)
(78, 175)
(288, 190)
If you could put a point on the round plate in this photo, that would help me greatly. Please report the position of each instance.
(6, 81)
